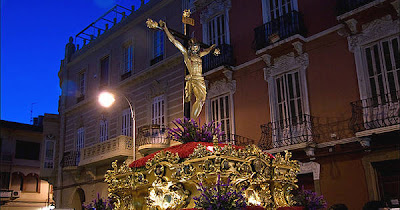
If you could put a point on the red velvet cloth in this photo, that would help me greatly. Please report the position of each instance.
(183, 150)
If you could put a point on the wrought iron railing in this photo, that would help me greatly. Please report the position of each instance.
(280, 28)
(287, 132)
(237, 140)
(152, 134)
(376, 112)
(343, 6)
(211, 61)
(70, 159)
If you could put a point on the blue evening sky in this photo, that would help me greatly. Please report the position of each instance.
(33, 38)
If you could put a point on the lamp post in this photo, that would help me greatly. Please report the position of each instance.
(107, 99)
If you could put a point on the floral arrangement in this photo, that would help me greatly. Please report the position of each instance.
(189, 131)
(310, 200)
(99, 204)
(221, 196)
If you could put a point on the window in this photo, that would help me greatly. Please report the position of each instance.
(216, 30)
(103, 130)
(383, 65)
(27, 150)
(289, 101)
(49, 154)
(104, 65)
(220, 113)
(82, 83)
(158, 111)
(5, 180)
(80, 140)
(126, 122)
(276, 8)
(158, 46)
(128, 59)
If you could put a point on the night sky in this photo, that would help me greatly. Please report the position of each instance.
(33, 38)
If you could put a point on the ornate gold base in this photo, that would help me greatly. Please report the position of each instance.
(169, 182)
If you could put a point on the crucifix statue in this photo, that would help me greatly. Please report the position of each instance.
(192, 57)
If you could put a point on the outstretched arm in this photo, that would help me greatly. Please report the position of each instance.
(171, 38)
(206, 51)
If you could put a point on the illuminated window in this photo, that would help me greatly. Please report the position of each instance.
(216, 30)
(220, 113)
(126, 122)
(103, 130)
(158, 111)
(128, 59)
(49, 154)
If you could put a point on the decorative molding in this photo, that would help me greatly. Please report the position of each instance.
(352, 24)
(373, 31)
(286, 63)
(311, 167)
(221, 87)
(217, 6)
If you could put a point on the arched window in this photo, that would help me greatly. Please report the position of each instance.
(31, 183)
(17, 181)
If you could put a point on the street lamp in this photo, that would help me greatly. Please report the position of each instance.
(107, 99)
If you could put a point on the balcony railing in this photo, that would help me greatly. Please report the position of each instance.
(70, 159)
(280, 28)
(119, 147)
(343, 6)
(376, 112)
(152, 138)
(211, 61)
(237, 140)
(287, 132)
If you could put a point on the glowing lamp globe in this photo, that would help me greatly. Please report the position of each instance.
(106, 99)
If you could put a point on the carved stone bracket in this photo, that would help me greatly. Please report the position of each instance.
(298, 46)
(352, 24)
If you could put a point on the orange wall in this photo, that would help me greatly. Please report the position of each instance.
(343, 181)
(318, 15)
(251, 101)
(331, 77)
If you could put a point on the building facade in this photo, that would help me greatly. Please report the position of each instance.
(320, 79)
(22, 146)
(146, 74)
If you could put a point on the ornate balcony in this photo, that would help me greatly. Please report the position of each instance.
(70, 160)
(278, 29)
(287, 132)
(376, 114)
(116, 148)
(343, 6)
(152, 138)
(211, 61)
